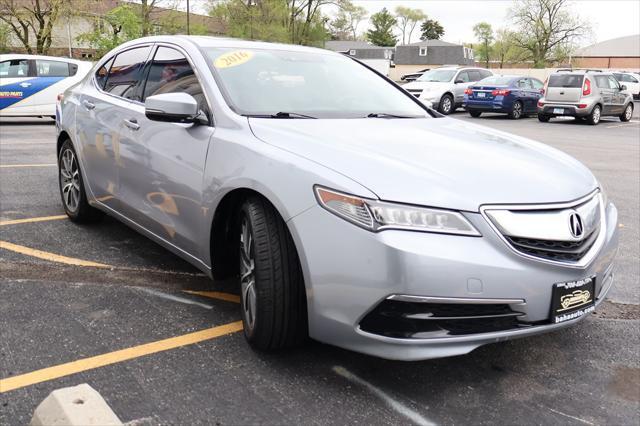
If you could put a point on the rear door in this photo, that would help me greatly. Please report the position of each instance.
(51, 76)
(162, 168)
(100, 118)
(564, 88)
(17, 79)
(602, 81)
(617, 95)
(525, 94)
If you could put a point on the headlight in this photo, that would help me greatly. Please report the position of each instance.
(377, 215)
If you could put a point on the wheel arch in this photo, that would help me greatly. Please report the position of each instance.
(63, 136)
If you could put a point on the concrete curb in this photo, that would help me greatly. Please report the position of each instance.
(78, 405)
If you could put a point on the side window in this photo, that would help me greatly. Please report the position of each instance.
(14, 68)
(45, 68)
(171, 72)
(619, 77)
(602, 81)
(631, 79)
(537, 84)
(125, 73)
(73, 69)
(101, 74)
(474, 75)
(523, 83)
(464, 76)
(613, 83)
(485, 73)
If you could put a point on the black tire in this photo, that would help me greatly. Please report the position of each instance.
(446, 105)
(516, 111)
(71, 185)
(627, 113)
(279, 314)
(594, 117)
(543, 118)
(474, 113)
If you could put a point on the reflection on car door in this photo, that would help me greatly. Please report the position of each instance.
(104, 106)
(163, 163)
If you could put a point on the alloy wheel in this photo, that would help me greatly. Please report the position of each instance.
(596, 115)
(70, 180)
(247, 276)
(628, 112)
(517, 110)
(446, 105)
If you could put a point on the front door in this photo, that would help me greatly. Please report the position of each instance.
(617, 96)
(163, 163)
(462, 82)
(602, 81)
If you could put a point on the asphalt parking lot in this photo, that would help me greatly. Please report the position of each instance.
(100, 304)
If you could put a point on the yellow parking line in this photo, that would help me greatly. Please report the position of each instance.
(32, 220)
(91, 363)
(49, 256)
(216, 295)
(8, 166)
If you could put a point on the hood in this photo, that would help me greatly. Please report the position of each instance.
(438, 162)
(427, 86)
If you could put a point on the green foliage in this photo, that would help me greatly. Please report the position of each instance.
(118, 25)
(505, 50)
(407, 19)
(382, 32)
(345, 25)
(5, 34)
(484, 34)
(431, 30)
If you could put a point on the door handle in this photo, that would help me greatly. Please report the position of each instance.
(132, 124)
(25, 84)
(88, 105)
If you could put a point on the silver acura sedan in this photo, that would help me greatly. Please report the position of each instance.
(348, 211)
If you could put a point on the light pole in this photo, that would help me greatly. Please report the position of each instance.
(188, 29)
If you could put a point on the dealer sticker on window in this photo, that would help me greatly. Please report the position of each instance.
(232, 59)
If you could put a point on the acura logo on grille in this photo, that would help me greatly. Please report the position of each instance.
(576, 225)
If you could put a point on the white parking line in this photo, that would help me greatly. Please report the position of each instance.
(174, 298)
(622, 125)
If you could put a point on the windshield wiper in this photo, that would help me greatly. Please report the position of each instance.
(281, 114)
(386, 115)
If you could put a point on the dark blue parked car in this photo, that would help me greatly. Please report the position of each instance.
(511, 94)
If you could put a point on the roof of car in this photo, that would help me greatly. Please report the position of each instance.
(9, 56)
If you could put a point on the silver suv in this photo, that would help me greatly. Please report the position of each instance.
(444, 87)
(584, 94)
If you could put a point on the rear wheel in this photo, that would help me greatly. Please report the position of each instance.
(543, 118)
(273, 299)
(594, 117)
(475, 113)
(446, 106)
(74, 197)
(516, 110)
(628, 113)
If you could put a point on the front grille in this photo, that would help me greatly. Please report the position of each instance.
(563, 251)
(398, 319)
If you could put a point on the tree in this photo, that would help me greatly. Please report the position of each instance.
(345, 25)
(117, 26)
(547, 29)
(505, 50)
(431, 30)
(407, 19)
(382, 32)
(31, 17)
(5, 35)
(484, 34)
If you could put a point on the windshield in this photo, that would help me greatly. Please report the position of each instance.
(440, 76)
(495, 80)
(287, 84)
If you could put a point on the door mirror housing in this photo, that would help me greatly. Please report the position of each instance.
(458, 81)
(171, 108)
(623, 87)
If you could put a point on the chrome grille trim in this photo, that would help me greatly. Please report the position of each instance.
(589, 253)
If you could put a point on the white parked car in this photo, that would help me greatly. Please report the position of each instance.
(444, 86)
(30, 84)
(631, 80)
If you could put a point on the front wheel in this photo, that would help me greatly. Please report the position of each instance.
(628, 113)
(272, 292)
(74, 197)
(475, 114)
(594, 117)
(446, 105)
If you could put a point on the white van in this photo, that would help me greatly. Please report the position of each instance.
(30, 84)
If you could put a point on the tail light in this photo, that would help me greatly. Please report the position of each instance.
(500, 92)
(468, 91)
(586, 88)
(60, 97)
(582, 105)
(544, 86)
(540, 104)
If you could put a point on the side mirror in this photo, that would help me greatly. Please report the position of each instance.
(623, 87)
(458, 81)
(171, 108)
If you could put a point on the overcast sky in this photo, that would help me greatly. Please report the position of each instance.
(609, 18)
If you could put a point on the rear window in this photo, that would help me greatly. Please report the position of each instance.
(496, 80)
(46, 68)
(565, 80)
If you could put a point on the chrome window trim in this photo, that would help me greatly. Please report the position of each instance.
(586, 259)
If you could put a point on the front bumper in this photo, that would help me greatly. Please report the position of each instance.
(349, 271)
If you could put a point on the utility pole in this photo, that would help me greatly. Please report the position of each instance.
(188, 29)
